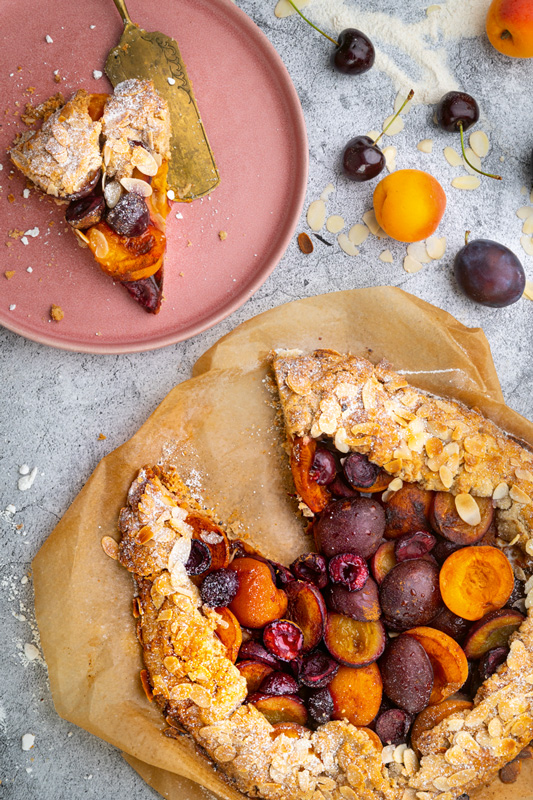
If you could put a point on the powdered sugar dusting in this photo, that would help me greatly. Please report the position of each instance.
(422, 41)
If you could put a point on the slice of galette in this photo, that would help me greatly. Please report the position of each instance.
(107, 156)
(394, 659)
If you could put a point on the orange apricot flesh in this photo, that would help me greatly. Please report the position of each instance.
(476, 580)
(258, 601)
(450, 667)
(356, 693)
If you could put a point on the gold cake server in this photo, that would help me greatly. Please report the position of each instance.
(156, 57)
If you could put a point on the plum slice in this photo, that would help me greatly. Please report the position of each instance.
(446, 521)
(362, 605)
(450, 667)
(280, 708)
(410, 594)
(253, 651)
(414, 545)
(354, 643)
(278, 683)
(383, 560)
(407, 674)
(308, 610)
(254, 673)
(148, 292)
(353, 525)
(492, 631)
(448, 622)
(407, 511)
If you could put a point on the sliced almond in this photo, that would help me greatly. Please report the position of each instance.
(425, 146)
(346, 245)
(327, 191)
(524, 212)
(474, 160)
(99, 242)
(432, 9)
(527, 227)
(144, 161)
(373, 135)
(316, 215)
(369, 218)
(518, 495)
(358, 233)
(468, 509)
(411, 265)
(390, 157)
(523, 190)
(501, 491)
(387, 257)
(479, 142)
(468, 182)
(83, 241)
(396, 126)
(528, 291)
(284, 9)
(436, 247)
(112, 193)
(527, 244)
(335, 223)
(417, 250)
(452, 157)
(446, 476)
(110, 547)
(400, 99)
(137, 185)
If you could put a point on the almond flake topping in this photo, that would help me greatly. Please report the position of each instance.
(518, 495)
(468, 509)
(110, 547)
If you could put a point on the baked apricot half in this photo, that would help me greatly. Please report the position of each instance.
(475, 581)
(450, 667)
(314, 495)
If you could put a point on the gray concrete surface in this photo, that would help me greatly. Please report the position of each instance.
(55, 404)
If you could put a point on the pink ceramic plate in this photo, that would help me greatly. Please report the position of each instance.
(256, 129)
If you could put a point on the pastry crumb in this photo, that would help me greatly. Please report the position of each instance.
(101, 437)
(222, 235)
(11, 198)
(57, 313)
(9, 273)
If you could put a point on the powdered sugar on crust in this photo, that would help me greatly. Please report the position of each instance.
(135, 114)
(64, 155)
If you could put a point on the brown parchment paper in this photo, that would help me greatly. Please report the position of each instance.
(219, 429)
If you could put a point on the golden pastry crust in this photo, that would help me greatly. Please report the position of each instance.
(134, 115)
(64, 155)
(364, 409)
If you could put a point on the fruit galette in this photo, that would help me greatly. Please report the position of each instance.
(395, 658)
(107, 156)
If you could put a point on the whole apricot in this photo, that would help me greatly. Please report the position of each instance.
(258, 600)
(509, 27)
(409, 204)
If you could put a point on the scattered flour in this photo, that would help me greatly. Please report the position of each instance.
(423, 41)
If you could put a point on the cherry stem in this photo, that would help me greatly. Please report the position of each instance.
(487, 174)
(386, 128)
(467, 234)
(313, 26)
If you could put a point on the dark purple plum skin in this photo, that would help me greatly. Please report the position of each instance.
(489, 273)
(407, 674)
(410, 594)
(354, 525)
(362, 605)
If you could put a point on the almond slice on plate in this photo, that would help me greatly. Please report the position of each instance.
(417, 250)
(284, 9)
(396, 127)
(527, 244)
(524, 212)
(335, 223)
(387, 257)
